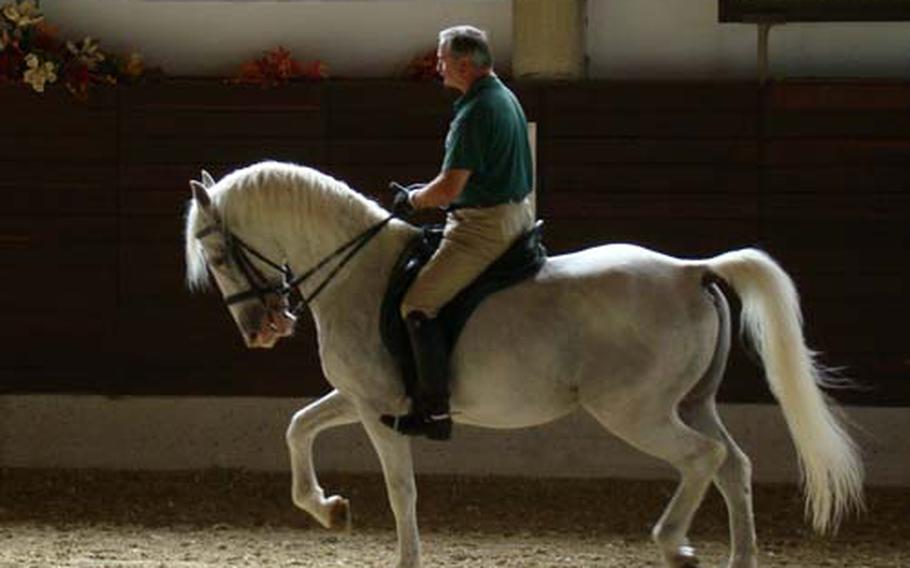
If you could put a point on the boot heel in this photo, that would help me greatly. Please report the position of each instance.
(439, 429)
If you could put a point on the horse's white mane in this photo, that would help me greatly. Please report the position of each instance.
(283, 196)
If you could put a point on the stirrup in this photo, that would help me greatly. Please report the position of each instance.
(433, 426)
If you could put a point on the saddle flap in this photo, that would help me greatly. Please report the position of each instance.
(522, 260)
(406, 268)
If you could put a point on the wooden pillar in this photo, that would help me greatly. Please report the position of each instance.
(532, 139)
(548, 39)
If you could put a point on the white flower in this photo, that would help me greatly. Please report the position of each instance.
(24, 14)
(88, 53)
(39, 73)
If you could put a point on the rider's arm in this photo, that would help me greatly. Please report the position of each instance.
(442, 190)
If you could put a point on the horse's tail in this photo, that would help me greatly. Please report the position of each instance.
(830, 466)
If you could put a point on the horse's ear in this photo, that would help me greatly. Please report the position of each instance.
(207, 180)
(200, 194)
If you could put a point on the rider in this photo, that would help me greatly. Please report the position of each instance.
(484, 184)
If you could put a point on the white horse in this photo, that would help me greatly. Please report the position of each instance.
(636, 338)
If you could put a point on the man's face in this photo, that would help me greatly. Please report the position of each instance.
(449, 68)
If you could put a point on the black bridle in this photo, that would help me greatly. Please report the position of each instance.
(261, 288)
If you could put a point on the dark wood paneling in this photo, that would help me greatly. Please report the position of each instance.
(821, 124)
(649, 151)
(221, 151)
(388, 151)
(822, 96)
(65, 188)
(644, 179)
(388, 110)
(604, 96)
(870, 207)
(40, 131)
(39, 150)
(837, 178)
(373, 179)
(206, 95)
(611, 204)
(55, 285)
(56, 112)
(186, 121)
(578, 122)
(854, 151)
(91, 251)
(835, 181)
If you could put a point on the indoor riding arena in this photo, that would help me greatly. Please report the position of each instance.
(138, 430)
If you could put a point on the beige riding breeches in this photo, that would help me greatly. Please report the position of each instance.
(472, 239)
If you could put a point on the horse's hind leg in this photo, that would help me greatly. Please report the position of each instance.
(330, 410)
(660, 432)
(733, 480)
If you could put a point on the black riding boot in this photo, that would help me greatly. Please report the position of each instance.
(429, 414)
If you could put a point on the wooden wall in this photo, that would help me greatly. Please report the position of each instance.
(91, 265)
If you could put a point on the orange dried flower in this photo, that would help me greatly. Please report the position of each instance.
(423, 67)
(277, 67)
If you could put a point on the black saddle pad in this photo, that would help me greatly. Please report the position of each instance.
(523, 260)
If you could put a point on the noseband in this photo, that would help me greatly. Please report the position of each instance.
(259, 286)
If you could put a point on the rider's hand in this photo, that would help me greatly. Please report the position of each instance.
(401, 206)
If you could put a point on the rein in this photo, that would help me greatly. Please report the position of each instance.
(288, 289)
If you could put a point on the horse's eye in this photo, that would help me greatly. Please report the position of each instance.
(218, 261)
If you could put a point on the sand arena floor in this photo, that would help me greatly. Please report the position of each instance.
(229, 518)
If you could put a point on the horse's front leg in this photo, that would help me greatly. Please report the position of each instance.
(329, 411)
(394, 452)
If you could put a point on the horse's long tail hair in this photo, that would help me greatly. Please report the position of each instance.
(830, 466)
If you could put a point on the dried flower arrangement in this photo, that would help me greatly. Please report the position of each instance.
(32, 53)
(278, 67)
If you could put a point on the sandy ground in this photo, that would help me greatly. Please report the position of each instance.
(227, 518)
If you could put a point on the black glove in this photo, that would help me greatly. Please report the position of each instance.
(401, 205)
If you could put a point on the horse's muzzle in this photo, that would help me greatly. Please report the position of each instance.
(275, 325)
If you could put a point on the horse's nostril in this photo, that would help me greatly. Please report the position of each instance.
(251, 338)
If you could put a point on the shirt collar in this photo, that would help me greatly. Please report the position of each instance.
(477, 86)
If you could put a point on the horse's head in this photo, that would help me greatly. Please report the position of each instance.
(251, 289)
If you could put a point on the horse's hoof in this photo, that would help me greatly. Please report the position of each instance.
(685, 558)
(339, 514)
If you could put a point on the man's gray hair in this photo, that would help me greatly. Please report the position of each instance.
(462, 41)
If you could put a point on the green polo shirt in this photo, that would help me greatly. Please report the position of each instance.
(489, 136)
